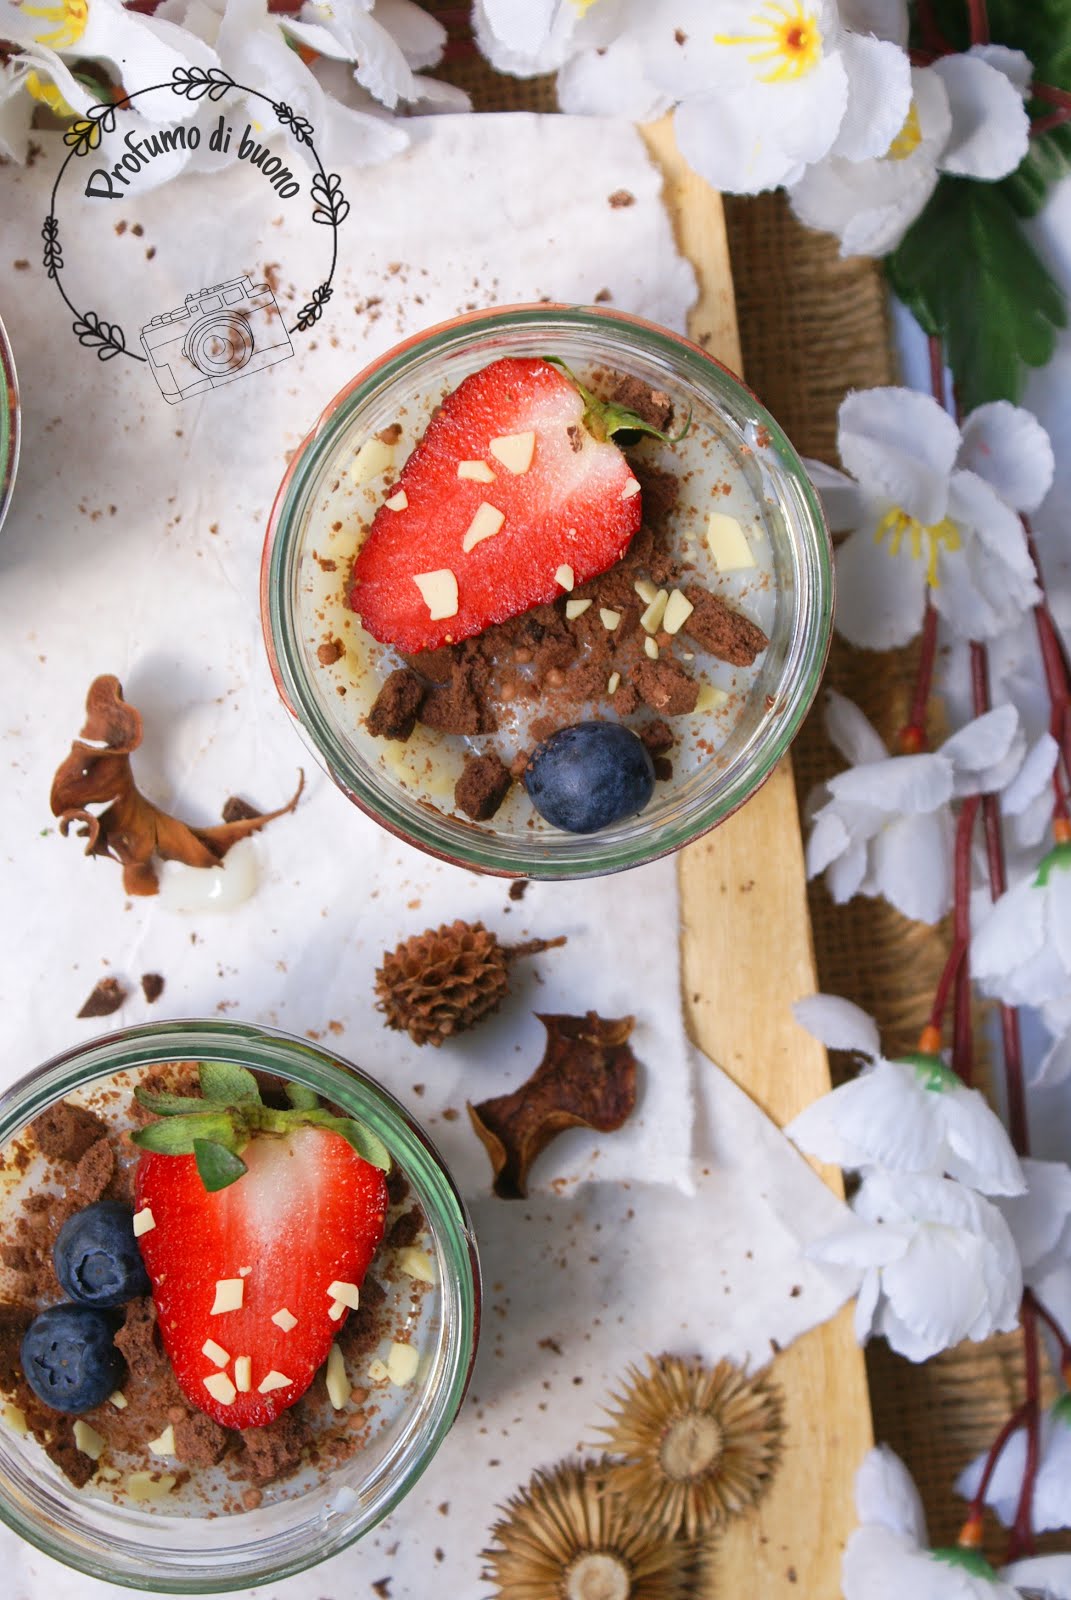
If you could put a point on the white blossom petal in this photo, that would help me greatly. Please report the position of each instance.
(976, 504)
(421, 37)
(853, 734)
(1007, 446)
(881, 1118)
(1055, 1065)
(1049, 1576)
(879, 97)
(880, 598)
(899, 784)
(911, 864)
(901, 444)
(838, 1023)
(612, 82)
(1010, 934)
(829, 838)
(844, 877)
(866, 1304)
(524, 37)
(885, 1494)
(1058, 905)
(885, 19)
(838, 493)
(1033, 778)
(978, 1151)
(1039, 1219)
(876, 1563)
(979, 750)
(990, 126)
(869, 205)
(1014, 64)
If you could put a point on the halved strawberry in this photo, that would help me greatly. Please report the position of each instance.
(574, 506)
(293, 1215)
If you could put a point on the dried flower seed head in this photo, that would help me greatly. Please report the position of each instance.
(446, 979)
(700, 1443)
(565, 1538)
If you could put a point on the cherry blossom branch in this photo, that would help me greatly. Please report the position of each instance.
(1057, 673)
(912, 737)
(935, 39)
(970, 1534)
(979, 21)
(1021, 1541)
(998, 883)
(955, 964)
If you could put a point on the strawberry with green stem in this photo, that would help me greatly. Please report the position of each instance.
(256, 1226)
(515, 494)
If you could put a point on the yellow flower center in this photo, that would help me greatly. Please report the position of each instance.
(787, 36)
(908, 139)
(583, 6)
(898, 525)
(48, 95)
(71, 18)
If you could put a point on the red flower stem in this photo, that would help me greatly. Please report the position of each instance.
(961, 918)
(1057, 673)
(962, 1029)
(996, 1450)
(1042, 1310)
(937, 368)
(1009, 1016)
(1052, 119)
(935, 39)
(1021, 1542)
(1052, 96)
(913, 734)
(979, 20)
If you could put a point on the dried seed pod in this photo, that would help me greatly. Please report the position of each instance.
(447, 979)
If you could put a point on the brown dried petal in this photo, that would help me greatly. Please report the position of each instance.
(132, 830)
(587, 1078)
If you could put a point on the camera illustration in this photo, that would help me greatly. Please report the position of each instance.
(221, 333)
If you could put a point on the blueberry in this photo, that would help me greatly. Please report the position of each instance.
(69, 1359)
(585, 777)
(96, 1256)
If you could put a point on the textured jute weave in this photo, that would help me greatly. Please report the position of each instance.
(812, 327)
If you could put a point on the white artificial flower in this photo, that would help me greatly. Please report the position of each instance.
(886, 1557)
(761, 87)
(1041, 1577)
(966, 117)
(137, 50)
(939, 1263)
(884, 827)
(1021, 946)
(1040, 1220)
(913, 1115)
(926, 520)
(1052, 1487)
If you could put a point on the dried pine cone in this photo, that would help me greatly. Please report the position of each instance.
(446, 979)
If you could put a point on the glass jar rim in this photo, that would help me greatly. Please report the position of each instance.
(449, 838)
(270, 1050)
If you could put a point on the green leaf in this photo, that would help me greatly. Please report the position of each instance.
(1057, 860)
(367, 1144)
(217, 1166)
(932, 1072)
(1061, 1411)
(176, 1136)
(223, 1080)
(999, 312)
(175, 1105)
(302, 1099)
(1047, 160)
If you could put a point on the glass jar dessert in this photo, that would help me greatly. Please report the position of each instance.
(164, 1424)
(547, 591)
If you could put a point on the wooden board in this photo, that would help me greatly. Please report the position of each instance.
(746, 955)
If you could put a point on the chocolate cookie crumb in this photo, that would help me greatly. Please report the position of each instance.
(107, 996)
(483, 785)
(199, 1441)
(136, 1339)
(390, 435)
(663, 768)
(14, 1320)
(397, 1187)
(92, 1175)
(666, 687)
(653, 405)
(461, 705)
(276, 1448)
(657, 736)
(518, 888)
(65, 1132)
(405, 1229)
(152, 986)
(620, 198)
(330, 651)
(72, 1462)
(237, 810)
(724, 632)
(397, 705)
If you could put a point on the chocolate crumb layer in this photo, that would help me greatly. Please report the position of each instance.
(483, 785)
(397, 705)
(72, 1462)
(725, 633)
(137, 1340)
(657, 736)
(199, 1441)
(653, 406)
(275, 1449)
(404, 1230)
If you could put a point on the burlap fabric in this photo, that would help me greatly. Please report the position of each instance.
(812, 327)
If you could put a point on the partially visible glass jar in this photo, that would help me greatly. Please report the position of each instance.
(729, 758)
(162, 1548)
(10, 424)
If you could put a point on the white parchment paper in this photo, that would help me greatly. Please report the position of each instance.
(133, 547)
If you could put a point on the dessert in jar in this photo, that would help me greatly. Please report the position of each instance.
(222, 1297)
(550, 585)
